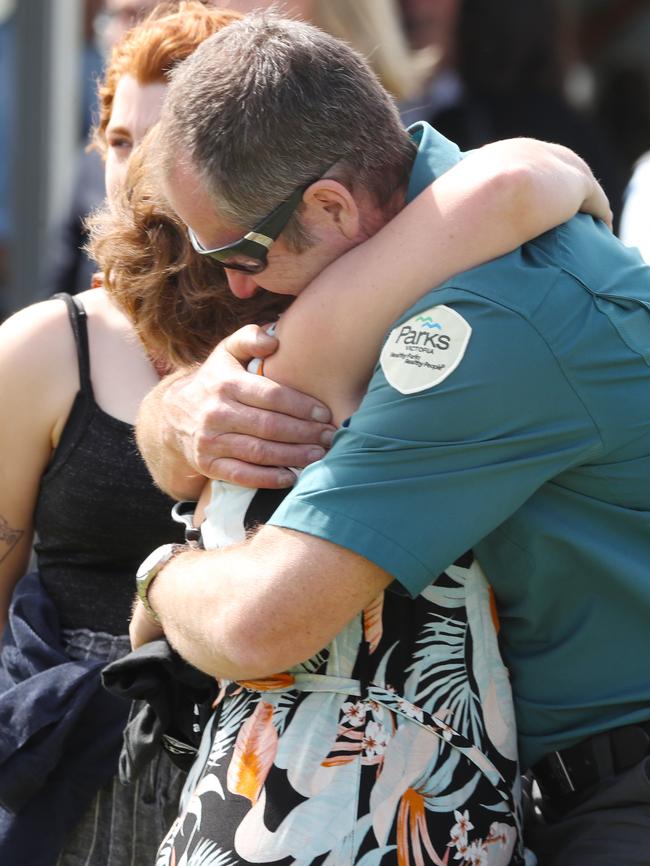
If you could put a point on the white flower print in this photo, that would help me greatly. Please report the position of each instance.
(477, 853)
(460, 829)
(409, 709)
(374, 740)
(354, 713)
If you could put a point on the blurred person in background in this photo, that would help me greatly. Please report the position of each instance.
(635, 219)
(611, 37)
(69, 268)
(431, 25)
(118, 16)
(501, 75)
(72, 375)
(373, 27)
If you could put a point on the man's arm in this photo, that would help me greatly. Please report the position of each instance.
(260, 607)
(221, 422)
(218, 421)
(411, 483)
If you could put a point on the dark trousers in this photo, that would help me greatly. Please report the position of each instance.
(610, 827)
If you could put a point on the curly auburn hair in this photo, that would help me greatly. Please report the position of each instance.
(178, 300)
(151, 50)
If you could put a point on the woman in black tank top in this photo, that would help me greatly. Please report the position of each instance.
(72, 375)
(97, 514)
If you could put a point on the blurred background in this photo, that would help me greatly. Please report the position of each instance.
(571, 71)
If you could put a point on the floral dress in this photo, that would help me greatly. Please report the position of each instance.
(394, 746)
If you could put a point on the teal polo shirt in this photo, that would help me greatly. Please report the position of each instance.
(510, 413)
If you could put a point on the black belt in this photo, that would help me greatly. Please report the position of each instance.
(574, 770)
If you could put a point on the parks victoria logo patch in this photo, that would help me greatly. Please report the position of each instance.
(425, 349)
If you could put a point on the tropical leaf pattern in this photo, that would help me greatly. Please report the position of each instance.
(253, 754)
(393, 747)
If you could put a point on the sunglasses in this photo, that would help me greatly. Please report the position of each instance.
(249, 254)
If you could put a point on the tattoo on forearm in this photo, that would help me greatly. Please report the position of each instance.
(9, 538)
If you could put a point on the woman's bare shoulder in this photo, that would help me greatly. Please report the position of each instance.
(108, 324)
(122, 372)
(39, 327)
(37, 352)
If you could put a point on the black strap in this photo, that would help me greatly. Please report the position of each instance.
(79, 324)
(570, 772)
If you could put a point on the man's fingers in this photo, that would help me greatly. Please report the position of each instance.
(261, 393)
(220, 417)
(260, 452)
(599, 204)
(248, 475)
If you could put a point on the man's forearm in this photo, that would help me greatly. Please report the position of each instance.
(191, 598)
(159, 446)
(256, 609)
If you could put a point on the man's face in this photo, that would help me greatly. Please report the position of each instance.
(287, 272)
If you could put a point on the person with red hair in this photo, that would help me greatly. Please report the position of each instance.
(72, 375)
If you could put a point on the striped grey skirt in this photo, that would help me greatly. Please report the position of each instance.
(124, 825)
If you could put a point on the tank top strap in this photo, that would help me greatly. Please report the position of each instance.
(79, 325)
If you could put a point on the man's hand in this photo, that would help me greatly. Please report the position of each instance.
(220, 421)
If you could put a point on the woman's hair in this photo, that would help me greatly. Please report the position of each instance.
(178, 300)
(152, 49)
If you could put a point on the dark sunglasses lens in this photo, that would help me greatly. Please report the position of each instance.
(240, 262)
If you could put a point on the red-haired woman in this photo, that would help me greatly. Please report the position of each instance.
(72, 375)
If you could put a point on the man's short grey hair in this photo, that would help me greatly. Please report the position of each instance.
(268, 104)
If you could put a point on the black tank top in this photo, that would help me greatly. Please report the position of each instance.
(98, 512)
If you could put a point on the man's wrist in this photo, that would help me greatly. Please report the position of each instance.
(149, 571)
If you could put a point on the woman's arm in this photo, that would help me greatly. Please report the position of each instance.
(38, 380)
(495, 199)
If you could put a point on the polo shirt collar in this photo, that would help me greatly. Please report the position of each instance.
(436, 155)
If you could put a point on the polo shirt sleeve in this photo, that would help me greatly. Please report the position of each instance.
(414, 480)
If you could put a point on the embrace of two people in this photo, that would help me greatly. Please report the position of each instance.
(365, 712)
(423, 493)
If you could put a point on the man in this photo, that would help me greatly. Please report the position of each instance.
(533, 447)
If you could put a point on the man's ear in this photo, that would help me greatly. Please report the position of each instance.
(332, 205)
